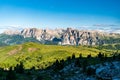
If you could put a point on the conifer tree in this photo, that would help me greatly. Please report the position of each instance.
(11, 75)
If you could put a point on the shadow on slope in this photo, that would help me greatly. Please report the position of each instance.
(68, 69)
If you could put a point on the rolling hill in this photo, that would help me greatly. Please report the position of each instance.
(41, 56)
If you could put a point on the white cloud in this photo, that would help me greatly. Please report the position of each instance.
(3, 28)
(112, 28)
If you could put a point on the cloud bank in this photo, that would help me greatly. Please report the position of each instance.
(111, 28)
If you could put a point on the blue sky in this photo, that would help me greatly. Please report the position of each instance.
(82, 14)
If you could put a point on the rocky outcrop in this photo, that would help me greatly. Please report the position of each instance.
(67, 36)
(40, 34)
(108, 71)
(76, 37)
(105, 71)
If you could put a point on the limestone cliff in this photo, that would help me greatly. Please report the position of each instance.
(67, 36)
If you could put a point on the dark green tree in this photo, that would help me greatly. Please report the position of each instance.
(80, 56)
(73, 56)
(11, 75)
(100, 56)
(58, 65)
(69, 59)
(77, 63)
(89, 56)
(19, 68)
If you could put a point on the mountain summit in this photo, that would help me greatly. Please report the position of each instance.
(67, 36)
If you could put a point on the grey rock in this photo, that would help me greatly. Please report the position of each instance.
(67, 36)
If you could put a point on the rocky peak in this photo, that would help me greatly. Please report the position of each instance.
(40, 34)
(11, 32)
(67, 36)
(32, 32)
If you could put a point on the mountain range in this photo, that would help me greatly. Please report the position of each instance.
(67, 36)
(56, 62)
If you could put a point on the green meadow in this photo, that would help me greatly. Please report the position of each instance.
(42, 56)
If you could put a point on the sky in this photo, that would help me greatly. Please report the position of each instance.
(80, 14)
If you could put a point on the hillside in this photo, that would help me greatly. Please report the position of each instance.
(14, 39)
(40, 56)
(55, 62)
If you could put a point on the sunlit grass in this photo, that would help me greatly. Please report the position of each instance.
(39, 55)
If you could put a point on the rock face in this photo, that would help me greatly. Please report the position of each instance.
(108, 71)
(76, 37)
(40, 34)
(67, 36)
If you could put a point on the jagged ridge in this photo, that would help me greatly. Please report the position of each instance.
(67, 36)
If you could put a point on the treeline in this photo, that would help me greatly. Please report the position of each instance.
(111, 40)
(84, 62)
(110, 46)
(10, 74)
(20, 73)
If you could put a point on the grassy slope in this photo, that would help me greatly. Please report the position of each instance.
(38, 55)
